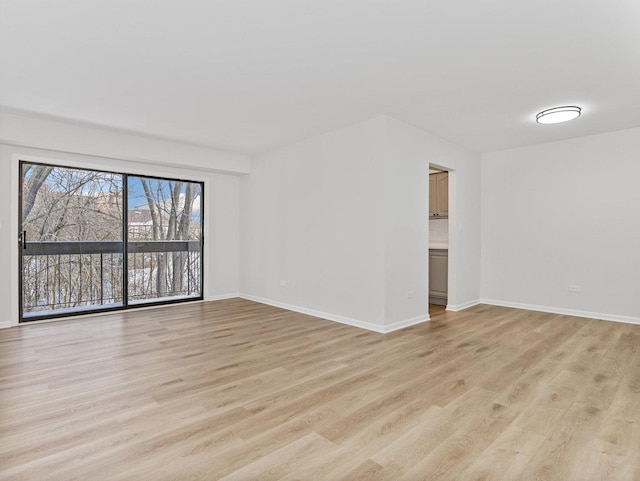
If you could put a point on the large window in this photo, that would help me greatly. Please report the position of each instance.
(94, 240)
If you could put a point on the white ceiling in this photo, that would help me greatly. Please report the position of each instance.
(251, 75)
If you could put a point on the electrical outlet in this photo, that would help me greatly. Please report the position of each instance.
(410, 294)
(283, 283)
(574, 288)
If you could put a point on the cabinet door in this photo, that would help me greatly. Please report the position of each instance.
(433, 195)
(438, 273)
(442, 190)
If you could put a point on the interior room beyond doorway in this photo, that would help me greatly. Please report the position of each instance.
(438, 235)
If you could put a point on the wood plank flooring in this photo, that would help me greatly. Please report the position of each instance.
(237, 390)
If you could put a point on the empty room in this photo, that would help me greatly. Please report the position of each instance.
(319, 240)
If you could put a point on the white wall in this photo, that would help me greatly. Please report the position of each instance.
(406, 226)
(564, 213)
(221, 196)
(414, 150)
(343, 219)
(28, 130)
(311, 215)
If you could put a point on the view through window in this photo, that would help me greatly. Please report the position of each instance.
(97, 240)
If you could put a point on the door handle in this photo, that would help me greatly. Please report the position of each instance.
(23, 239)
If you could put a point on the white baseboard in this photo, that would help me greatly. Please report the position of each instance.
(460, 307)
(406, 323)
(370, 326)
(567, 312)
(6, 324)
(221, 297)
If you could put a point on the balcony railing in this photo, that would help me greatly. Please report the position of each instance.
(89, 275)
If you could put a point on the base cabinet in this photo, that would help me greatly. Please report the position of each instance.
(438, 276)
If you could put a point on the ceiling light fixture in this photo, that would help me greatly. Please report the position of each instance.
(557, 115)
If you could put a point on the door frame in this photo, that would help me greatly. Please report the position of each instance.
(452, 240)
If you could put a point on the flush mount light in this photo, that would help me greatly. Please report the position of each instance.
(557, 115)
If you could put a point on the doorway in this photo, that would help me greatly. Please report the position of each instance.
(440, 212)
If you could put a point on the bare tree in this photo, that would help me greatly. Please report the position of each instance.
(34, 176)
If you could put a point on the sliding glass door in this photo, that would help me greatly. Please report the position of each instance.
(164, 233)
(93, 240)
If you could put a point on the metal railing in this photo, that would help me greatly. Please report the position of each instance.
(74, 276)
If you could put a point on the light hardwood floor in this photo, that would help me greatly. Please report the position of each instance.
(237, 390)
